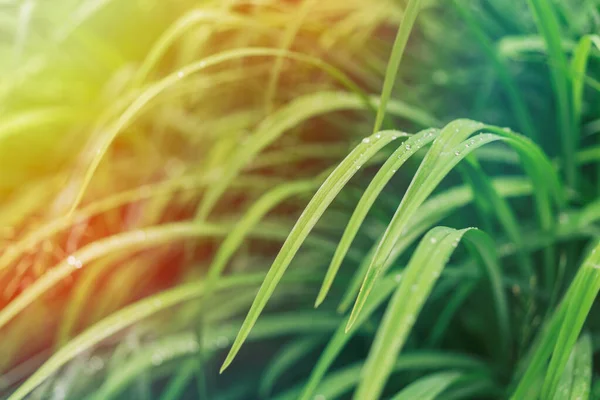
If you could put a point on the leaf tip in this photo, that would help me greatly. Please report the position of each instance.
(320, 297)
(228, 361)
(351, 321)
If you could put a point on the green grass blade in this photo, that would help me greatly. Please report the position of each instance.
(557, 339)
(427, 216)
(439, 160)
(501, 68)
(256, 213)
(120, 320)
(579, 64)
(343, 380)
(578, 306)
(164, 351)
(406, 25)
(288, 116)
(444, 318)
(286, 358)
(445, 153)
(483, 188)
(548, 23)
(317, 206)
(341, 337)
(286, 41)
(420, 275)
(582, 370)
(95, 208)
(483, 249)
(184, 24)
(107, 134)
(126, 241)
(381, 179)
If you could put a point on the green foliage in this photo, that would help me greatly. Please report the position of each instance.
(173, 204)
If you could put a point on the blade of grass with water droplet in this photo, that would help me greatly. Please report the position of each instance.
(371, 193)
(317, 206)
(427, 216)
(445, 153)
(419, 277)
(437, 163)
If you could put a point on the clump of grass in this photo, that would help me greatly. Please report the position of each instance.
(235, 136)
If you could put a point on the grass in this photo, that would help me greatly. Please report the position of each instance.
(277, 199)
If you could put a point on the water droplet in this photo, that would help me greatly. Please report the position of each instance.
(433, 240)
(398, 277)
(357, 167)
(366, 140)
(180, 74)
(407, 147)
(74, 262)
(457, 153)
(394, 137)
(378, 136)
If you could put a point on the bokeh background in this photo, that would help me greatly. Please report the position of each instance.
(145, 143)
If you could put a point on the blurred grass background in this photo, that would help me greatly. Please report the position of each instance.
(145, 143)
